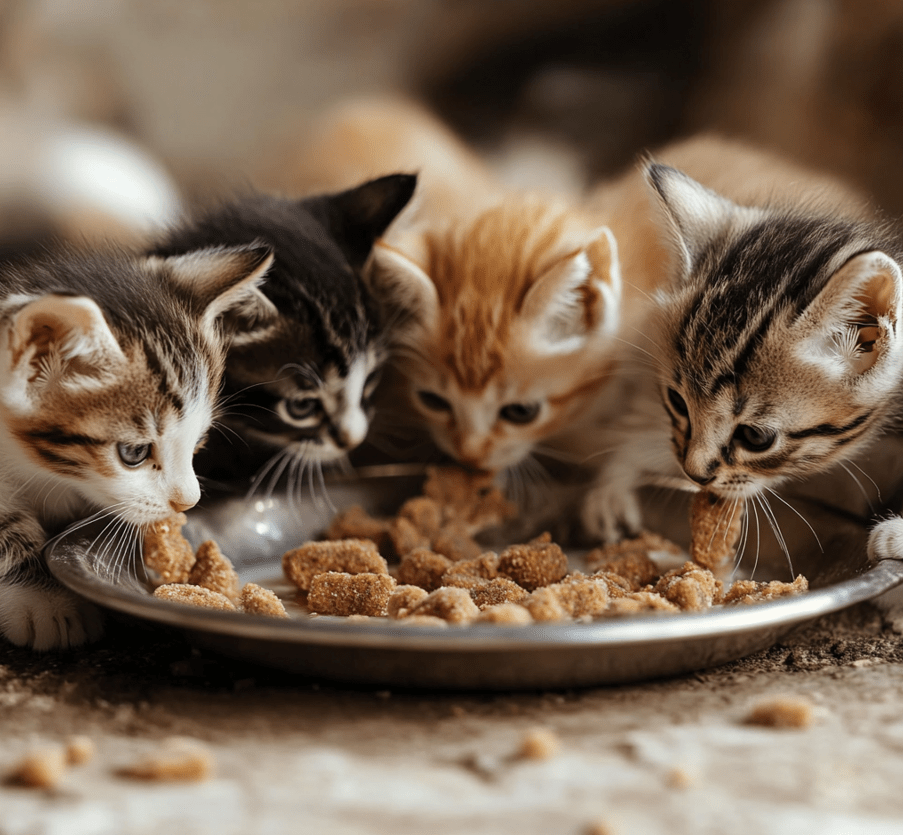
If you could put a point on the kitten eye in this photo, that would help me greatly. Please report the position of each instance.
(372, 380)
(754, 438)
(434, 402)
(519, 412)
(133, 454)
(301, 407)
(678, 403)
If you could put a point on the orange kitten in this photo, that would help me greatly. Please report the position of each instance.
(507, 304)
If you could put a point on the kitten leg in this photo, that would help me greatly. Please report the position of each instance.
(611, 509)
(35, 610)
(886, 542)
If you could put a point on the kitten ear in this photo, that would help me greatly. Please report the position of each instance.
(220, 278)
(63, 330)
(360, 215)
(694, 214)
(578, 296)
(401, 286)
(853, 323)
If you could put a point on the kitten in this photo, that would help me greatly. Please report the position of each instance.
(303, 364)
(774, 351)
(110, 364)
(505, 304)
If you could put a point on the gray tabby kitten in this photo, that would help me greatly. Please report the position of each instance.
(110, 365)
(775, 350)
(304, 361)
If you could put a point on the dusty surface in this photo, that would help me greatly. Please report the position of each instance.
(671, 756)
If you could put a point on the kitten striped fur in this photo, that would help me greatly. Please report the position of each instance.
(110, 365)
(776, 350)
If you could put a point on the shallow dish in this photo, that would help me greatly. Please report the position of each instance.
(255, 533)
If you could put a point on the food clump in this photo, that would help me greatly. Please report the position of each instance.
(715, 526)
(341, 593)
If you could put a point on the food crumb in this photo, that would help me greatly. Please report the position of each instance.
(505, 614)
(534, 565)
(339, 593)
(213, 570)
(782, 712)
(403, 599)
(194, 596)
(166, 551)
(346, 556)
(450, 604)
(80, 750)
(679, 778)
(177, 758)
(42, 768)
(256, 600)
(539, 744)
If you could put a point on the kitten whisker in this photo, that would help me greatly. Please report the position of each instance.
(773, 522)
(859, 485)
(805, 521)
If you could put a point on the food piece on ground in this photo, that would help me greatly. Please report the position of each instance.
(341, 593)
(505, 614)
(194, 596)
(533, 566)
(690, 587)
(356, 523)
(630, 558)
(42, 768)
(544, 605)
(177, 758)
(487, 592)
(539, 744)
(640, 602)
(715, 526)
(348, 556)
(403, 599)
(214, 571)
(452, 605)
(256, 600)
(80, 749)
(166, 551)
(749, 591)
(424, 568)
(782, 712)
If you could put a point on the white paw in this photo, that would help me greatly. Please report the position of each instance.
(610, 512)
(45, 618)
(886, 540)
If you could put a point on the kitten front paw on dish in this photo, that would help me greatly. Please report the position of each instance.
(45, 618)
(611, 512)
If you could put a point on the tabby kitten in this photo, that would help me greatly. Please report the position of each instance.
(776, 348)
(110, 364)
(304, 362)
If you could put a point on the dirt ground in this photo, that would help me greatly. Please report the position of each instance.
(671, 756)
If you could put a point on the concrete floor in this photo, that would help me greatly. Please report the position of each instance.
(661, 757)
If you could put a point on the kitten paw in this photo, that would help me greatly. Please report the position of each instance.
(886, 540)
(610, 512)
(46, 618)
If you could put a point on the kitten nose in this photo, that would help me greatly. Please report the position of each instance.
(702, 480)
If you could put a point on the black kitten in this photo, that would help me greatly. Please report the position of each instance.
(305, 356)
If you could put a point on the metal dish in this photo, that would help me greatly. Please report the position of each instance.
(255, 533)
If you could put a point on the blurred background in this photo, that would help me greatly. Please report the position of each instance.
(113, 112)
